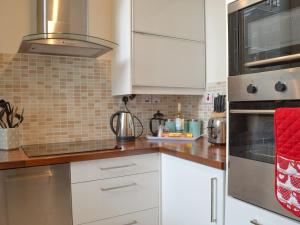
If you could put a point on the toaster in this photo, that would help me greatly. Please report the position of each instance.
(217, 130)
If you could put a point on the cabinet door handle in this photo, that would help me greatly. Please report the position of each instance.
(118, 167)
(132, 223)
(255, 222)
(213, 199)
(119, 187)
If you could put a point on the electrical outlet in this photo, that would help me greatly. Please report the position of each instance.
(156, 99)
(209, 97)
(147, 99)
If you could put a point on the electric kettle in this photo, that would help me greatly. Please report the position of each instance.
(124, 127)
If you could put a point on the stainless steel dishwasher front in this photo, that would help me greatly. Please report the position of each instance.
(36, 196)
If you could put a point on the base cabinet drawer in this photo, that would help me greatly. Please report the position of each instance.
(147, 217)
(113, 167)
(241, 213)
(108, 198)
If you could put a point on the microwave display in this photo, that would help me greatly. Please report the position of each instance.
(264, 37)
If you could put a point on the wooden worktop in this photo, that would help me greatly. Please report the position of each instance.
(200, 151)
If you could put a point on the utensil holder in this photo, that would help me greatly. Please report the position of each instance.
(9, 138)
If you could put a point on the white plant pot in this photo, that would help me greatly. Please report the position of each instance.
(9, 138)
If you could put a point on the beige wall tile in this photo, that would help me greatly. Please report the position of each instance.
(69, 99)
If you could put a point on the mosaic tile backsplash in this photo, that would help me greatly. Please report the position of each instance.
(69, 99)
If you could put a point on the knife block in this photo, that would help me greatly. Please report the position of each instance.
(9, 138)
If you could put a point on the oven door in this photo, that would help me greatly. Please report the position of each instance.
(264, 36)
(251, 149)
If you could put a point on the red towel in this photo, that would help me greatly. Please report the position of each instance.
(287, 161)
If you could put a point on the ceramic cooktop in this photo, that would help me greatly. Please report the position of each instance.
(68, 148)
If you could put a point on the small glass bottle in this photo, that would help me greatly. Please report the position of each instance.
(179, 121)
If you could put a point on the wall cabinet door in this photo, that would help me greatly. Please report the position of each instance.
(191, 193)
(241, 213)
(174, 18)
(168, 62)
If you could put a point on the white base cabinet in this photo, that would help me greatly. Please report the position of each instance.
(116, 191)
(192, 193)
(150, 189)
(242, 213)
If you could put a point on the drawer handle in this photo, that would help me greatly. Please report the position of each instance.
(132, 223)
(119, 187)
(118, 167)
(255, 222)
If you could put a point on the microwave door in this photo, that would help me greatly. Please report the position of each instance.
(264, 37)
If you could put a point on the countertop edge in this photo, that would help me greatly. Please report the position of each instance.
(197, 159)
(20, 160)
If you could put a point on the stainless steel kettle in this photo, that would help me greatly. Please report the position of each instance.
(125, 127)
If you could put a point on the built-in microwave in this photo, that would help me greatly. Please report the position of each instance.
(263, 36)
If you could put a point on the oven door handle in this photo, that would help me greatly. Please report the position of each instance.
(253, 111)
(274, 61)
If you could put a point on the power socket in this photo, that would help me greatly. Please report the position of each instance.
(156, 99)
(147, 99)
(209, 98)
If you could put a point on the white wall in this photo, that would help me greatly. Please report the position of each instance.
(17, 18)
(101, 21)
(216, 46)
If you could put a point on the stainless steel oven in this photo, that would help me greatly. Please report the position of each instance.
(263, 36)
(264, 69)
(251, 152)
(251, 134)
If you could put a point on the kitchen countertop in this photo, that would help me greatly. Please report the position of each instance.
(200, 151)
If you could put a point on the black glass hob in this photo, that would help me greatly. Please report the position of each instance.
(69, 148)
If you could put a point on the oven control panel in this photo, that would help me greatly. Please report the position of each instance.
(270, 85)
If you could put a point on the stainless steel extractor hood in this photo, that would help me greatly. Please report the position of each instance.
(62, 30)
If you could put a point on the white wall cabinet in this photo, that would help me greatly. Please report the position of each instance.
(241, 213)
(163, 61)
(176, 18)
(154, 56)
(192, 194)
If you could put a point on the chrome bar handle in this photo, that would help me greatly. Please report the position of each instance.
(255, 222)
(46, 174)
(119, 187)
(253, 111)
(118, 167)
(276, 60)
(132, 223)
(213, 199)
